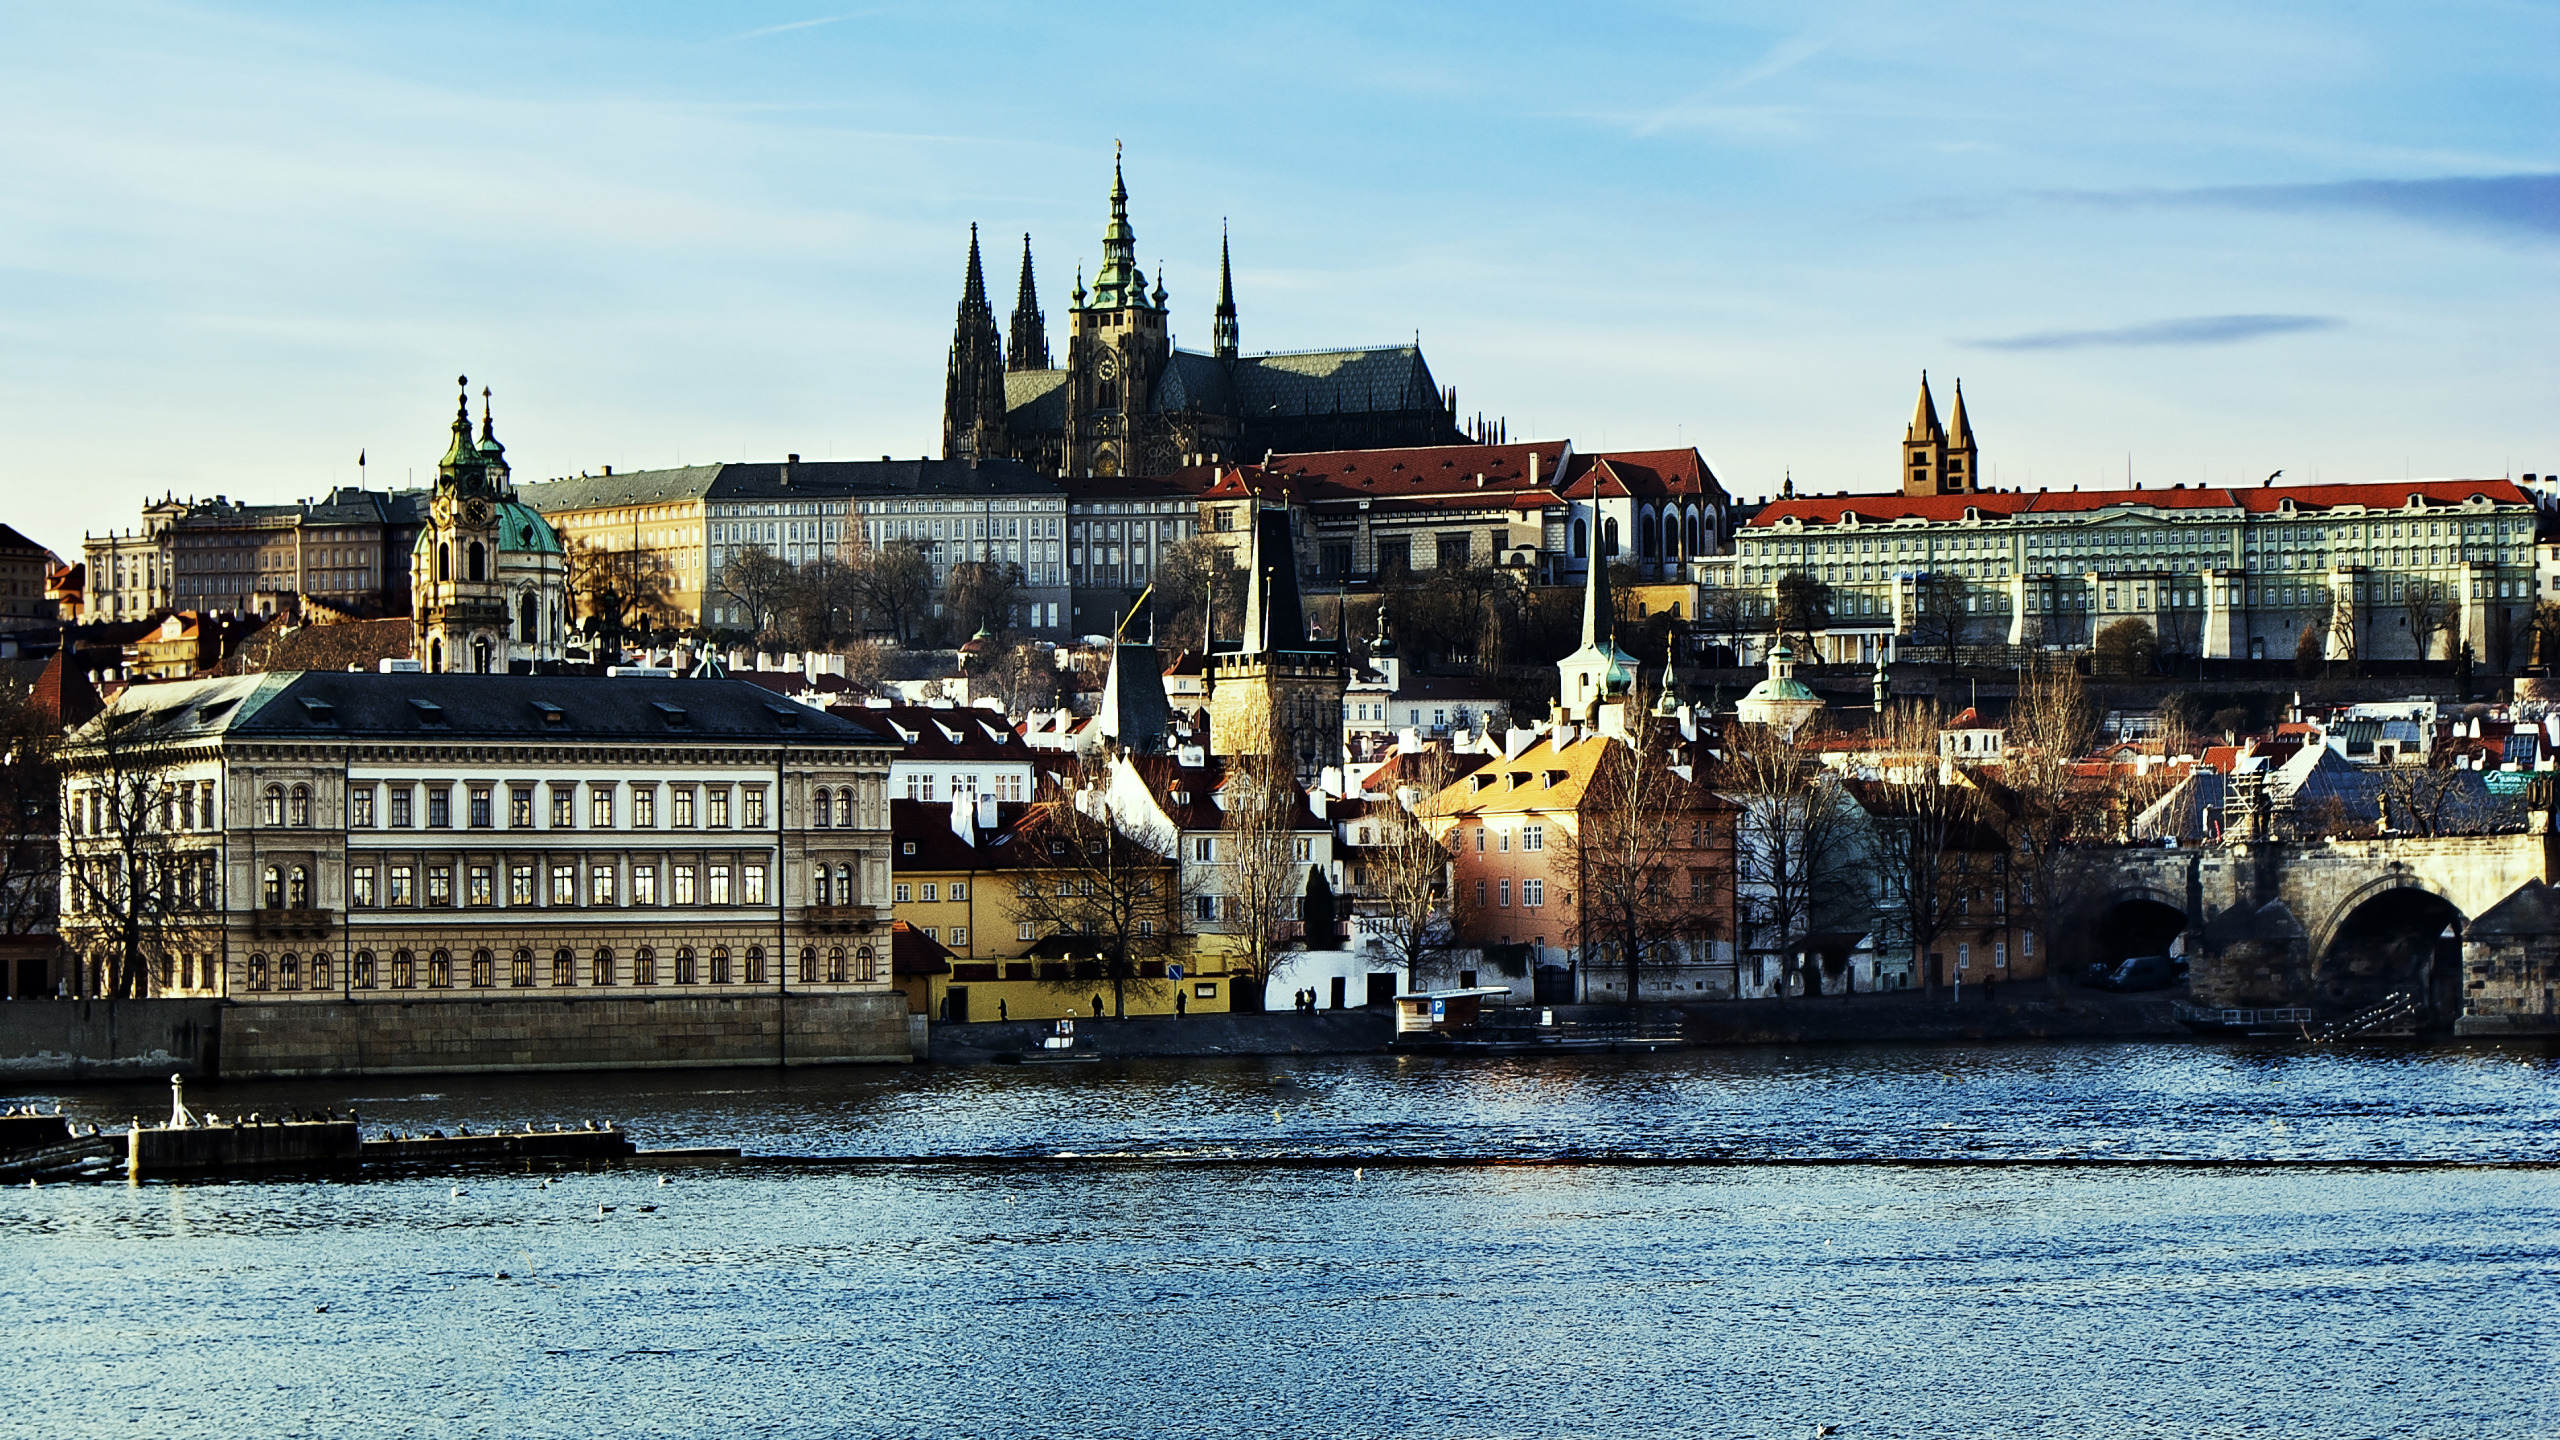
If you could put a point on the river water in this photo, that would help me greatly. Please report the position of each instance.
(1942, 1241)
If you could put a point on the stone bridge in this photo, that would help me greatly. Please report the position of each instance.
(2466, 924)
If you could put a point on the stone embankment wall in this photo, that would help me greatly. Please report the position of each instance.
(1327, 1032)
(108, 1039)
(98, 1040)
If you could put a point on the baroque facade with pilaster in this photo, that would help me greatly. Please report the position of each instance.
(488, 578)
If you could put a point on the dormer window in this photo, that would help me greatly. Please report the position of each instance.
(429, 712)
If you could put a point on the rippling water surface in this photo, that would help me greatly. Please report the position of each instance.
(1934, 1241)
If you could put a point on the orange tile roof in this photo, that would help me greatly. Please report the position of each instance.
(2260, 500)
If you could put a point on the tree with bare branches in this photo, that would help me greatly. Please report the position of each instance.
(2427, 605)
(2050, 811)
(757, 584)
(1803, 606)
(1941, 612)
(1405, 875)
(1799, 843)
(893, 583)
(621, 592)
(1102, 881)
(1262, 854)
(1917, 817)
(1649, 843)
(141, 880)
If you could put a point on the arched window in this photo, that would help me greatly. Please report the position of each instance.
(480, 654)
(1581, 539)
(444, 562)
(479, 561)
(299, 814)
(824, 813)
(288, 972)
(1692, 546)
(563, 967)
(844, 808)
(484, 970)
(844, 885)
(525, 617)
(435, 655)
(319, 972)
(297, 893)
(644, 966)
(1648, 536)
(272, 888)
(835, 965)
(864, 968)
(602, 969)
(520, 974)
(271, 806)
(1609, 538)
(404, 970)
(684, 965)
(440, 970)
(755, 964)
(257, 972)
(719, 964)
(822, 890)
(362, 974)
(808, 965)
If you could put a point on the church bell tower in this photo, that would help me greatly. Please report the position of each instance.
(1117, 347)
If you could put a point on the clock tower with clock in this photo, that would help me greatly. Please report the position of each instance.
(1117, 344)
(488, 579)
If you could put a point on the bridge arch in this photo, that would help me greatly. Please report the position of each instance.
(2399, 933)
(2135, 918)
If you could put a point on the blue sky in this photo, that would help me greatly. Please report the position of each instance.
(239, 243)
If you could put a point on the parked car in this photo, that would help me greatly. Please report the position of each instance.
(2141, 972)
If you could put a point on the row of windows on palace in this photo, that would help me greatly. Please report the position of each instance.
(403, 970)
(2290, 546)
(2137, 595)
(191, 882)
(189, 805)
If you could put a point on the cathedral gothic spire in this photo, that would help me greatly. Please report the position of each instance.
(1029, 343)
(1223, 335)
(973, 391)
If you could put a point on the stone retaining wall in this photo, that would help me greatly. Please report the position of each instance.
(394, 1037)
(72, 1040)
(109, 1039)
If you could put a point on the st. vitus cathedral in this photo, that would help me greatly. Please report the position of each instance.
(1127, 403)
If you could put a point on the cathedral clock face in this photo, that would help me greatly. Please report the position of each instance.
(1108, 368)
(475, 511)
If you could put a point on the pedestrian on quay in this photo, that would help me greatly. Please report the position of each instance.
(1000, 1011)
(1181, 1005)
(1097, 1007)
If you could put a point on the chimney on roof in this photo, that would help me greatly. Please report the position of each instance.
(1533, 469)
(787, 462)
(1479, 479)
(608, 470)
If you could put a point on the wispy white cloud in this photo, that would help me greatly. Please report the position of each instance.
(2186, 330)
(788, 26)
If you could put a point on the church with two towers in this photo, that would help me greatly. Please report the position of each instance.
(1124, 400)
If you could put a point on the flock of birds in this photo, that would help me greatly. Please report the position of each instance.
(458, 1192)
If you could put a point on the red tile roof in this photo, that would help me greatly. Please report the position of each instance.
(1646, 474)
(1420, 470)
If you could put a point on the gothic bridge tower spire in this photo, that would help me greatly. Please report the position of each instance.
(1223, 336)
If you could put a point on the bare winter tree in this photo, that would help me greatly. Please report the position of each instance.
(893, 584)
(1803, 606)
(2428, 607)
(141, 880)
(1799, 841)
(31, 796)
(981, 595)
(1941, 613)
(1648, 899)
(1104, 879)
(1406, 873)
(2049, 812)
(621, 592)
(1916, 819)
(758, 584)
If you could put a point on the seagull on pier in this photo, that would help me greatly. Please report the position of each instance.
(1275, 1114)
(457, 1193)
(603, 1210)
(663, 1180)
